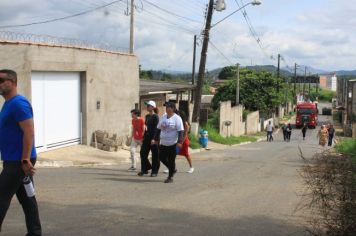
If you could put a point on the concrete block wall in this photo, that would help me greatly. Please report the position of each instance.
(253, 122)
(233, 114)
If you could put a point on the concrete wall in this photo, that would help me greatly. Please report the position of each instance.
(281, 111)
(110, 78)
(253, 122)
(233, 114)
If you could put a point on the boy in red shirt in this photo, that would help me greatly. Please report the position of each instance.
(138, 127)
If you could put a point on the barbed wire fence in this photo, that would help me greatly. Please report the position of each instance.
(7, 36)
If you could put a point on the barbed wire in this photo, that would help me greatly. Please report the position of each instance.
(58, 41)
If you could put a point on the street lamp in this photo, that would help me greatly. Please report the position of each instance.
(200, 81)
(253, 3)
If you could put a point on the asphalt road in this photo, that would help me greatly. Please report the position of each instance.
(243, 190)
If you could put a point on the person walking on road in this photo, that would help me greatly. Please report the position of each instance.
(284, 130)
(289, 131)
(323, 136)
(269, 129)
(170, 136)
(18, 152)
(331, 132)
(184, 151)
(304, 130)
(138, 127)
(151, 122)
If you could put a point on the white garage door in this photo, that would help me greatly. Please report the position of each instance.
(56, 108)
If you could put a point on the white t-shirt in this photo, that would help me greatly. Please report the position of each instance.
(169, 129)
(269, 127)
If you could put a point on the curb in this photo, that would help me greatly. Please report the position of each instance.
(64, 164)
(59, 164)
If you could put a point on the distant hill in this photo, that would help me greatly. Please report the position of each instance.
(270, 68)
(346, 72)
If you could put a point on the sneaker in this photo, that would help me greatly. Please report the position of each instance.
(168, 180)
(142, 173)
(153, 175)
(191, 170)
(132, 168)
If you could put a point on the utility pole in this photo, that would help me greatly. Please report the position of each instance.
(305, 78)
(132, 26)
(295, 79)
(198, 92)
(193, 69)
(278, 69)
(309, 84)
(237, 84)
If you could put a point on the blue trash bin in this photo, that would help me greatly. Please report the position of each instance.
(203, 139)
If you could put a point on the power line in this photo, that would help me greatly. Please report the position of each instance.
(222, 54)
(171, 13)
(61, 18)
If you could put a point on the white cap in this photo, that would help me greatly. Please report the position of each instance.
(151, 103)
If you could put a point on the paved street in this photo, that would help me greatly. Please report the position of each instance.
(243, 190)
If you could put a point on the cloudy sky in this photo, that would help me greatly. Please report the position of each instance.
(317, 33)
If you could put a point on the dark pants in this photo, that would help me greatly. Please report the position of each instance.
(269, 136)
(167, 155)
(303, 135)
(288, 135)
(330, 141)
(284, 135)
(145, 163)
(10, 184)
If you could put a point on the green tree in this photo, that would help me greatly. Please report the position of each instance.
(228, 72)
(258, 91)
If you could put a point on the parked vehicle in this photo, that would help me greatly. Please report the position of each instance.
(307, 112)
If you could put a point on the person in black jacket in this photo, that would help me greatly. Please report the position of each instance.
(151, 122)
(331, 131)
(304, 130)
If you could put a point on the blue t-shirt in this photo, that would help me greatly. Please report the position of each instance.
(15, 110)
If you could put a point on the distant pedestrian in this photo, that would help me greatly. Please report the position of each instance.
(284, 130)
(18, 152)
(331, 132)
(269, 129)
(138, 127)
(170, 136)
(184, 151)
(323, 136)
(151, 122)
(304, 130)
(289, 131)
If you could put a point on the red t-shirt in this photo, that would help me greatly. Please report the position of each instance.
(137, 125)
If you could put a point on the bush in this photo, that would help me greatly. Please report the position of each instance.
(216, 137)
(331, 193)
(193, 142)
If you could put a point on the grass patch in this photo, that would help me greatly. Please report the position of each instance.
(215, 137)
(348, 147)
(193, 142)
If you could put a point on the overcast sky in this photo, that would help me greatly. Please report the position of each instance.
(317, 33)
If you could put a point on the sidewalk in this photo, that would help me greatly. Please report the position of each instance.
(82, 155)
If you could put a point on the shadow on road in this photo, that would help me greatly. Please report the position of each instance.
(96, 219)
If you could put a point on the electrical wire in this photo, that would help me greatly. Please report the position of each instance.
(171, 13)
(220, 52)
(60, 18)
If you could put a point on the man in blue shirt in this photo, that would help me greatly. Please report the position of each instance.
(17, 151)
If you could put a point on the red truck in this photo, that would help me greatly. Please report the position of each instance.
(307, 112)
